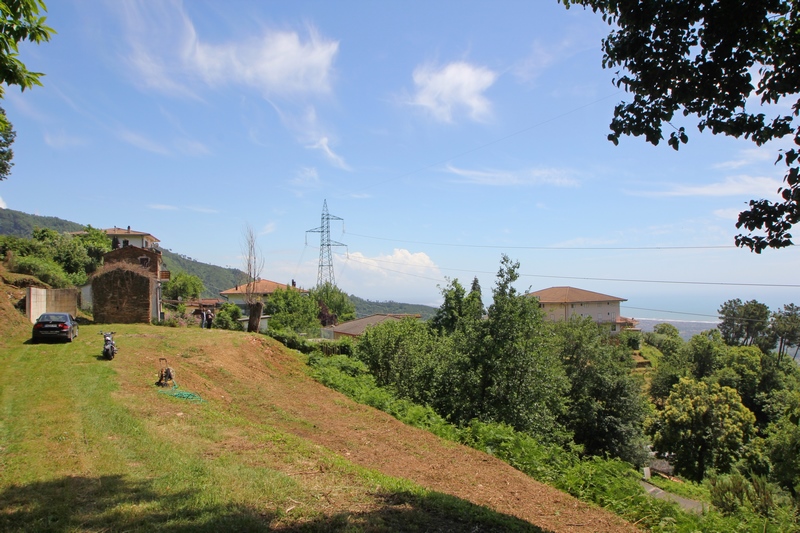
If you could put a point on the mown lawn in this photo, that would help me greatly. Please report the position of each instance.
(92, 445)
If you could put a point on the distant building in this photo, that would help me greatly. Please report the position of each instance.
(562, 303)
(261, 289)
(128, 287)
(356, 328)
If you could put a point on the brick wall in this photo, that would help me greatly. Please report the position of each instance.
(122, 296)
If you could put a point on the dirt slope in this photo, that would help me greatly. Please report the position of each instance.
(267, 384)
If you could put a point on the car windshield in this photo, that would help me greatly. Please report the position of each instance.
(53, 318)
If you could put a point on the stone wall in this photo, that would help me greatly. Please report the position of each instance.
(122, 296)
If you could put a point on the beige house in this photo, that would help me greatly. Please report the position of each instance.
(562, 303)
(261, 289)
(128, 237)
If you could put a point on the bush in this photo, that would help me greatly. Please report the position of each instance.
(45, 269)
(228, 318)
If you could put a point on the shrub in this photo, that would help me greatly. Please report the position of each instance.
(46, 270)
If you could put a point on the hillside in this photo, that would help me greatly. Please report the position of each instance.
(88, 445)
(369, 307)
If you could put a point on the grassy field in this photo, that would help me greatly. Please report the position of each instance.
(92, 445)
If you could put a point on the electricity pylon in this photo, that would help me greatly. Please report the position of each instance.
(325, 272)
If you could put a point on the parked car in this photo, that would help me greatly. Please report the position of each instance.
(55, 326)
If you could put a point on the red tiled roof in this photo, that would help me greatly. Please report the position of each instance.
(572, 295)
(262, 286)
(123, 232)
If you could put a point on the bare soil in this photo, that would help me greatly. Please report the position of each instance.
(278, 388)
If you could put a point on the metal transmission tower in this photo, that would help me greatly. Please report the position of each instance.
(325, 272)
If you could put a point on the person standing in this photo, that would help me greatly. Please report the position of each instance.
(202, 318)
(209, 319)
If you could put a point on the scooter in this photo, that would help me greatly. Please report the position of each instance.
(109, 346)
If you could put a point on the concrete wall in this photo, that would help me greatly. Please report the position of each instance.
(35, 303)
(38, 301)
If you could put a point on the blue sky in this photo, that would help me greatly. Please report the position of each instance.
(443, 133)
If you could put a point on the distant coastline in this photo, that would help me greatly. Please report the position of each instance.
(687, 328)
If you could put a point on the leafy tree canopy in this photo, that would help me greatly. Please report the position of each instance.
(183, 286)
(19, 22)
(292, 310)
(705, 426)
(698, 58)
(335, 301)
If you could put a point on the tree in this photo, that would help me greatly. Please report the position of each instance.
(183, 286)
(457, 306)
(606, 407)
(785, 326)
(7, 135)
(334, 302)
(292, 310)
(697, 58)
(519, 378)
(705, 426)
(253, 265)
(743, 324)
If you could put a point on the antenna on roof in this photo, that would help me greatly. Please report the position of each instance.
(325, 272)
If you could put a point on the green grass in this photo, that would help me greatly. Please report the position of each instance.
(89, 445)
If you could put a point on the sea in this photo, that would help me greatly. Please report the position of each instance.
(687, 328)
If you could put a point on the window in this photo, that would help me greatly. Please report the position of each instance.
(144, 261)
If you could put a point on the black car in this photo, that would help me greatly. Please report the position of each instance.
(55, 326)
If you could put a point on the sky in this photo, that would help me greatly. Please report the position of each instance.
(442, 134)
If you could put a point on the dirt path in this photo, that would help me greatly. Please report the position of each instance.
(375, 440)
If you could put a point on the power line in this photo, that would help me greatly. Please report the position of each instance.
(586, 278)
(496, 246)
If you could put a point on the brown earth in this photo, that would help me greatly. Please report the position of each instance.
(276, 388)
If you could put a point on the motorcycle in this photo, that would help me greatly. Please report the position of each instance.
(109, 346)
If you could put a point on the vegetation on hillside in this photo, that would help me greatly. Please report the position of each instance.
(369, 307)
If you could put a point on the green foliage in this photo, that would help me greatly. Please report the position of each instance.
(708, 59)
(368, 307)
(704, 426)
(335, 302)
(293, 310)
(227, 317)
(7, 136)
(407, 356)
(182, 286)
(606, 407)
(785, 326)
(743, 324)
(511, 358)
(215, 279)
(19, 224)
(96, 243)
(46, 270)
(459, 308)
(667, 329)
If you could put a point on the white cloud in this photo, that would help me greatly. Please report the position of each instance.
(730, 213)
(168, 55)
(191, 147)
(413, 275)
(142, 142)
(530, 177)
(163, 207)
(743, 185)
(748, 157)
(305, 179)
(335, 159)
(3, 204)
(268, 228)
(61, 140)
(455, 87)
(200, 209)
